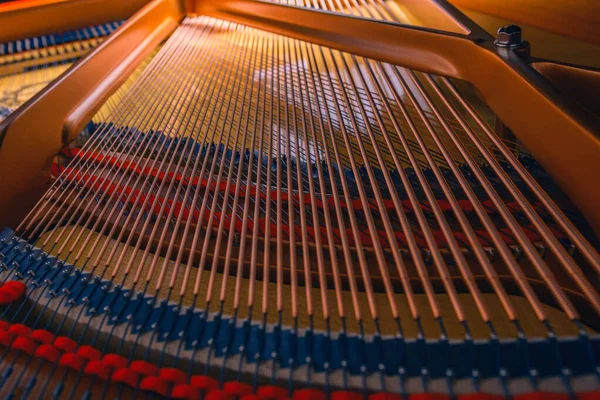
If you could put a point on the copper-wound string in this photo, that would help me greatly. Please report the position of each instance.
(48, 213)
(103, 137)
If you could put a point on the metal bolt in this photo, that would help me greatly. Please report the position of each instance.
(509, 36)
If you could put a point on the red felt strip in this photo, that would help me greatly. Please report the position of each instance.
(126, 194)
(195, 180)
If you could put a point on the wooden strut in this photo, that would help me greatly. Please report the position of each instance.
(58, 113)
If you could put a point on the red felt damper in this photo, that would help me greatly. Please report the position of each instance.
(19, 330)
(479, 396)
(5, 298)
(8, 296)
(89, 353)
(25, 345)
(273, 392)
(48, 352)
(187, 392)
(156, 385)
(6, 338)
(4, 325)
(73, 361)
(41, 336)
(588, 395)
(429, 396)
(173, 375)
(255, 397)
(144, 368)
(385, 396)
(345, 395)
(542, 396)
(309, 394)
(125, 376)
(115, 361)
(99, 369)
(15, 286)
(219, 395)
(65, 344)
(11, 291)
(238, 388)
(204, 382)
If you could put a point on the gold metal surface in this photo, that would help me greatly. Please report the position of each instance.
(573, 18)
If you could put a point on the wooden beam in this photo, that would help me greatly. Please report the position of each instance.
(578, 19)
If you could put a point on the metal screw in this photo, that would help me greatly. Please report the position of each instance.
(509, 36)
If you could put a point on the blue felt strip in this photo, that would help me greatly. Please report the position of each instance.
(417, 357)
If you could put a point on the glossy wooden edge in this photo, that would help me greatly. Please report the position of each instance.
(578, 19)
(35, 132)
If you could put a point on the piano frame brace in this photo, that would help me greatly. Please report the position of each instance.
(563, 137)
(57, 114)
